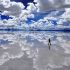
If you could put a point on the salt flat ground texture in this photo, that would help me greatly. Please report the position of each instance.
(30, 51)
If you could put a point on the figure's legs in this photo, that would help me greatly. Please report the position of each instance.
(49, 46)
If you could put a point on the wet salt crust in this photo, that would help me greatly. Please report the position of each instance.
(29, 51)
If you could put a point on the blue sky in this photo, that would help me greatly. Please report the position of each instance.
(41, 14)
(23, 1)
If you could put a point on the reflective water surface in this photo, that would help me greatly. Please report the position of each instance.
(30, 51)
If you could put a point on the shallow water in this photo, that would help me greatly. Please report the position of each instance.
(30, 51)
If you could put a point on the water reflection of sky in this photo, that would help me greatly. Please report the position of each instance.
(29, 51)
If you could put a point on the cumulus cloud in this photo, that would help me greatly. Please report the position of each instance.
(31, 7)
(11, 8)
(42, 24)
(21, 15)
(47, 5)
(26, 14)
(16, 9)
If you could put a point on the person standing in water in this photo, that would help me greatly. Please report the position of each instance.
(49, 43)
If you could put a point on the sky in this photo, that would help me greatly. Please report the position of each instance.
(23, 1)
(35, 14)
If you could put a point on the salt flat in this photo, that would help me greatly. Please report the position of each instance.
(29, 50)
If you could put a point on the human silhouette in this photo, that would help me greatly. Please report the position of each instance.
(49, 43)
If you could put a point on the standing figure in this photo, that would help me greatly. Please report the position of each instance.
(49, 43)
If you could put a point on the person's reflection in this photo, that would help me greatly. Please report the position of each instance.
(49, 43)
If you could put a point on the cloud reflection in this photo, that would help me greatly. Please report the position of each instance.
(35, 46)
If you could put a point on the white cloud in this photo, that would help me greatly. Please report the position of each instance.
(11, 8)
(26, 14)
(66, 14)
(42, 24)
(5, 3)
(31, 7)
(16, 9)
(47, 5)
